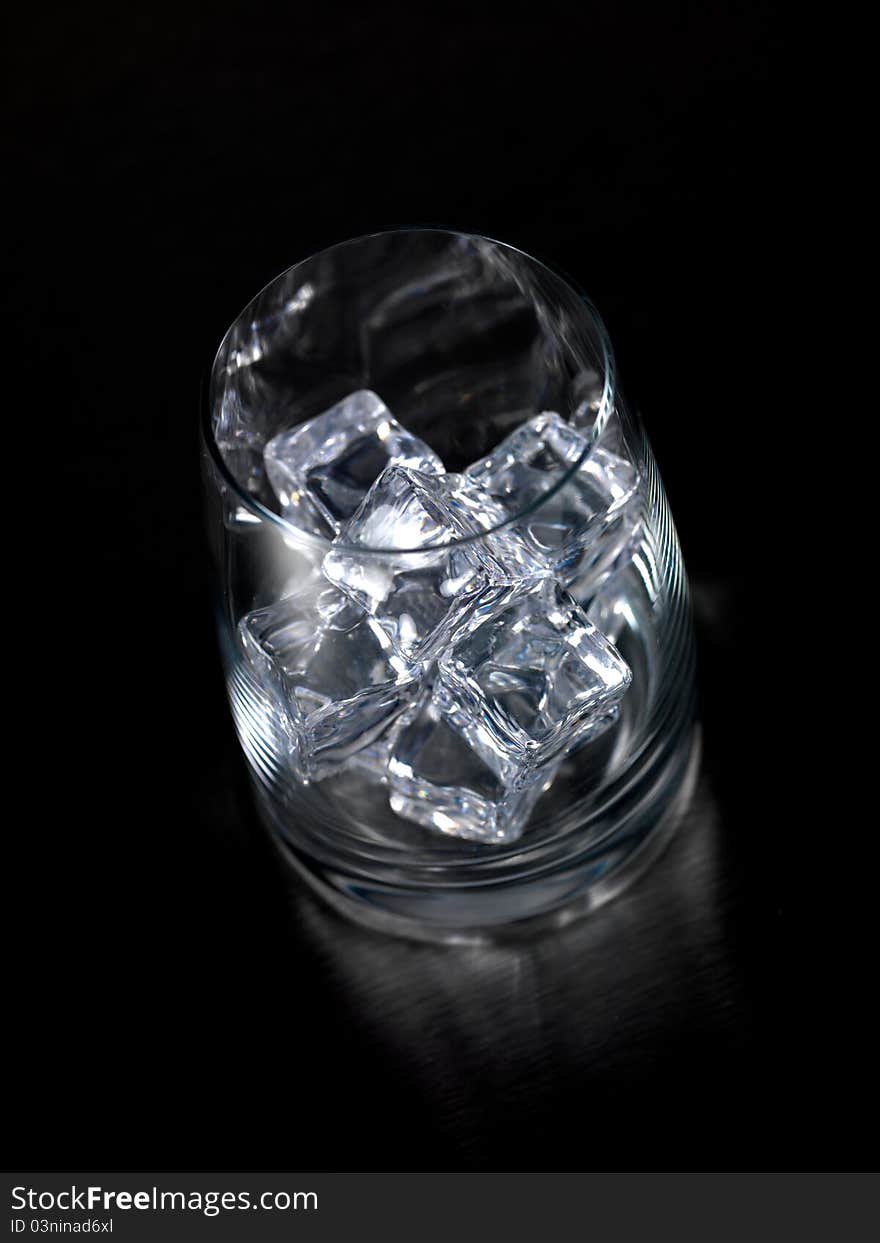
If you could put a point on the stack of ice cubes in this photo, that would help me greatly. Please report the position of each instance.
(441, 651)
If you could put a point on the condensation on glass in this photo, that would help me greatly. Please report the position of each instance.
(452, 607)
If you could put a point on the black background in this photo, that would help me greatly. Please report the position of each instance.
(174, 1000)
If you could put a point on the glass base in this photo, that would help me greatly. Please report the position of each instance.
(514, 905)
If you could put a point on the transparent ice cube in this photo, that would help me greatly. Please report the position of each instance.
(333, 679)
(518, 557)
(569, 528)
(602, 560)
(531, 679)
(373, 760)
(321, 470)
(610, 612)
(425, 593)
(439, 781)
(588, 389)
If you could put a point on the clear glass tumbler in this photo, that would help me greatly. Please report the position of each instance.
(452, 608)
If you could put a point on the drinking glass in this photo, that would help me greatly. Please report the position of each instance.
(465, 344)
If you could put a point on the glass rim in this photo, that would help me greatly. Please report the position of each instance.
(298, 535)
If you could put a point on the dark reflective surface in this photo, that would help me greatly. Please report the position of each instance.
(171, 1001)
(497, 1042)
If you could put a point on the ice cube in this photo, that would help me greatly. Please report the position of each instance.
(331, 674)
(321, 470)
(611, 612)
(425, 593)
(567, 530)
(373, 759)
(603, 560)
(591, 391)
(504, 543)
(531, 679)
(437, 780)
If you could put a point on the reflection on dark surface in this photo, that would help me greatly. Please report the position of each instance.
(489, 1036)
